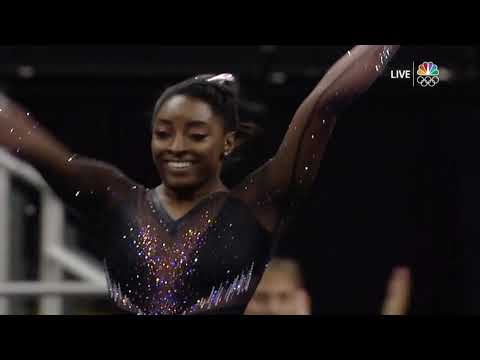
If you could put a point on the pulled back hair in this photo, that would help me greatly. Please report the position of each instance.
(219, 91)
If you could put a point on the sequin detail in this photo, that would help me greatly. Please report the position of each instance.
(225, 292)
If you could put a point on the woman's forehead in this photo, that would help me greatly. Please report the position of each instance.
(186, 108)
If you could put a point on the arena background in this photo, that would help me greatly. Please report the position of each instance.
(398, 185)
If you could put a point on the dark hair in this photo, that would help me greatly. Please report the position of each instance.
(219, 91)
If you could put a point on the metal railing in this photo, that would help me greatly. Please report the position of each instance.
(55, 258)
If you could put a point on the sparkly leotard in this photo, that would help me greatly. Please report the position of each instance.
(211, 259)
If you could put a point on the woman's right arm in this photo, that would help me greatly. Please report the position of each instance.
(86, 185)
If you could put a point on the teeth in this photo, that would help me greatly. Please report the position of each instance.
(178, 164)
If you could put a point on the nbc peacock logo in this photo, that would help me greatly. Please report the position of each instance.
(428, 74)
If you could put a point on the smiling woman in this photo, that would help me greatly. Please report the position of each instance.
(192, 246)
(188, 144)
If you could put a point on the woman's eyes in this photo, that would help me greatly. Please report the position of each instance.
(161, 134)
(198, 137)
(165, 134)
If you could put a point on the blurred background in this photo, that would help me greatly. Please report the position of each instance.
(398, 184)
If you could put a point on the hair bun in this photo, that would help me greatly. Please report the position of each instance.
(222, 78)
(225, 81)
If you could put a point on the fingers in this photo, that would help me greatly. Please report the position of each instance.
(303, 303)
(398, 292)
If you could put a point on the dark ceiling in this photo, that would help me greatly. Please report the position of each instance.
(165, 61)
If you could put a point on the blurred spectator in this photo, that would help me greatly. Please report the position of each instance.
(281, 291)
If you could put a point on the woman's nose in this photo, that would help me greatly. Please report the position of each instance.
(178, 144)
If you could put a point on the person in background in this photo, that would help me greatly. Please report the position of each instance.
(282, 291)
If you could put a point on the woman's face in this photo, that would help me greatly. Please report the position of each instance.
(188, 142)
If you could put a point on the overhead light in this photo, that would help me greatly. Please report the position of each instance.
(26, 71)
(278, 78)
(268, 48)
(446, 74)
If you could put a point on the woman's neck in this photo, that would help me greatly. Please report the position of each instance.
(190, 195)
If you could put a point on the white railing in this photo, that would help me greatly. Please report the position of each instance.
(55, 257)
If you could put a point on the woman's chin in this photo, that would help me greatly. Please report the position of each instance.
(181, 184)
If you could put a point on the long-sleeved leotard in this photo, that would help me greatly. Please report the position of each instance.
(212, 258)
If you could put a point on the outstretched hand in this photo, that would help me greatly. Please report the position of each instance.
(16, 125)
(23, 136)
(397, 297)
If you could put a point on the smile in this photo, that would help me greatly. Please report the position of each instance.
(179, 164)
